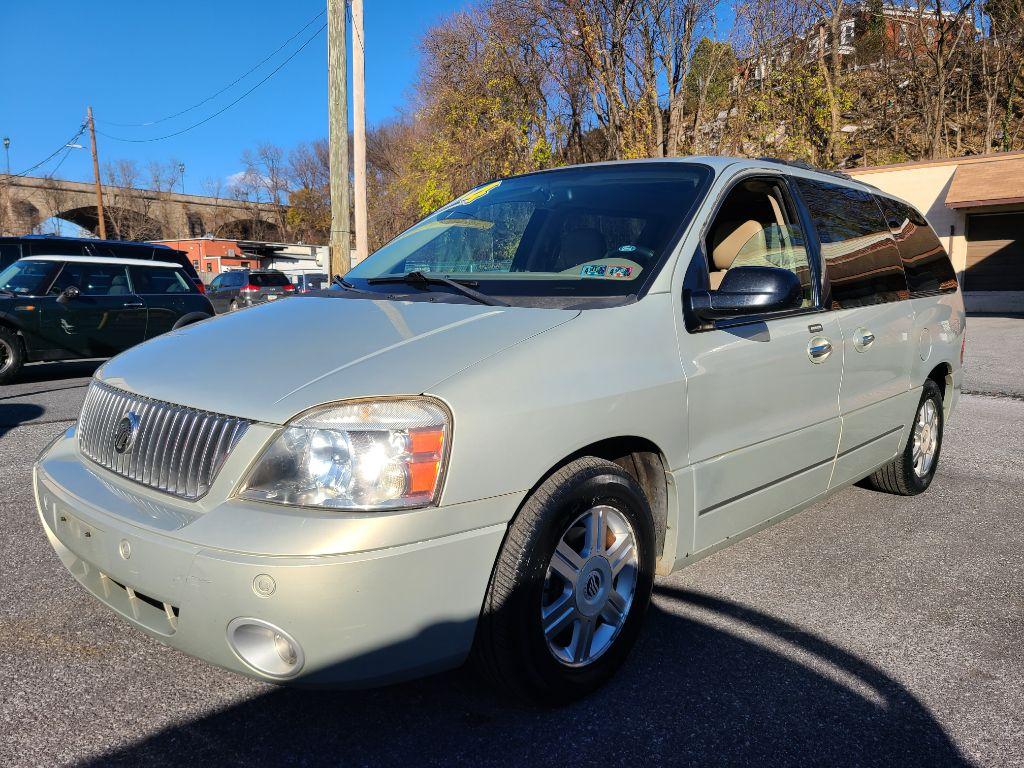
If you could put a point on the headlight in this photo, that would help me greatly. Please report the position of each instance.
(384, 454)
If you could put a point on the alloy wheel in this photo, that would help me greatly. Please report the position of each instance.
(6, 356)
(589, 586)
(926, 438)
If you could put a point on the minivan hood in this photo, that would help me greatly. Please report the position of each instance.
(275, 360)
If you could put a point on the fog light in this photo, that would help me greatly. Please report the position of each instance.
(264, 647)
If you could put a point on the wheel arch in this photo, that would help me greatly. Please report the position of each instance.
(644, 461)
(942, 374)
(191, 317)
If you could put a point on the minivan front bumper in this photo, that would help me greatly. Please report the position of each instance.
(360, 618)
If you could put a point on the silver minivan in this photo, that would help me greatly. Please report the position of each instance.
(508, 420)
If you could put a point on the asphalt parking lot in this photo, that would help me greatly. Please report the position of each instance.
(868, 630)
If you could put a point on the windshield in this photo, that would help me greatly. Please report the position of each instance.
(27, 278)
(593, 231)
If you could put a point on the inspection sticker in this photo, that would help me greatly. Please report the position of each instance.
(606, 271)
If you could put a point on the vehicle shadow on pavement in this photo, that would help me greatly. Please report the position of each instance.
(40, 372)
(698, 690)
(13, 415)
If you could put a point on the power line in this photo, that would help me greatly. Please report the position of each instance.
(48, 158)
(227, 87)
(221, 111)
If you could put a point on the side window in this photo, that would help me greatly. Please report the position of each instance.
(92, 279)
(158, 280)
(860, 255)
(925, 261)
(757, 226)
(218, 283)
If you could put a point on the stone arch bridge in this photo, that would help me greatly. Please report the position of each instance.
(132, 214)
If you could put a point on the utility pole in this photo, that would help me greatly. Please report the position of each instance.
(359, 128)
(96, 177)
(337, 86)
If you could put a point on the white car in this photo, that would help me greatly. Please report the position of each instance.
(531, 402)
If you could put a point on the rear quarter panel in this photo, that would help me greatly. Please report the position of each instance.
(939, 326)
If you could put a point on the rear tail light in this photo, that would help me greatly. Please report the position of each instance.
(289, 288)
(200, 287)
(250, 289)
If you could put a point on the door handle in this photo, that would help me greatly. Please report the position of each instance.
(818, 349)
(133, 304)
(862, 339)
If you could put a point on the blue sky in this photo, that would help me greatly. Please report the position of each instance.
(138, 61)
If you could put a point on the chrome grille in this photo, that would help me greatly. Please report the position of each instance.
(176, 449)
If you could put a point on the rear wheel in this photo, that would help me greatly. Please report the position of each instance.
(571, 585)
(912, 471)
(233, 306)
(12, 355)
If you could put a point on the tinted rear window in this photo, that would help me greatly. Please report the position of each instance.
(267, 279)
(860, 254)
(925, 261)
(160, 280)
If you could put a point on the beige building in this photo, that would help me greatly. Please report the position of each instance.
(976, 205)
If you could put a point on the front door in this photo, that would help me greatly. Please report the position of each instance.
(869, 293)
(104, 319)
(762, 392)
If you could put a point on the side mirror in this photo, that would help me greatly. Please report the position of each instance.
(748, 290)
(69, 293)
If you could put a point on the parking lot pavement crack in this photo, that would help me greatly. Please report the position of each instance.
(1003, 395)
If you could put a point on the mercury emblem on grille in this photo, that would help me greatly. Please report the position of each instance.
(124, 434)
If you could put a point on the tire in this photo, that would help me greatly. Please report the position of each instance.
(903, 475)
(511, 647)
(233, 306)
(12, 354)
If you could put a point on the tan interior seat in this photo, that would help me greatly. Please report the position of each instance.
(728, 238)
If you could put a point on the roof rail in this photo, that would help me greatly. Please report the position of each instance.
(804, 165)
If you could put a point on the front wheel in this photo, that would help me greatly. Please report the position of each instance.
(571, 585)
(912, 471)
(12, 355)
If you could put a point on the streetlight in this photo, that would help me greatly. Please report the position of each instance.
(7, 151)
(181, 171)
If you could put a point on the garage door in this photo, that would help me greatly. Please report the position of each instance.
(995, 252)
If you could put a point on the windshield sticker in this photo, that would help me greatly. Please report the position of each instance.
(607, 271)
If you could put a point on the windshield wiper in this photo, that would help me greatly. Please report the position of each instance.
(420, 279)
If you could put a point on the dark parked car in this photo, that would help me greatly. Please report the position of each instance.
(14, 248)
(68, 307)
(244, 287)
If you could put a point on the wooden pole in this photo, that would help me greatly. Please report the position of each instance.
(359, 129)
(96, 177)
(337, 85)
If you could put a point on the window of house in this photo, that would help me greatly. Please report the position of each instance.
(860, 254)
(847, 31)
